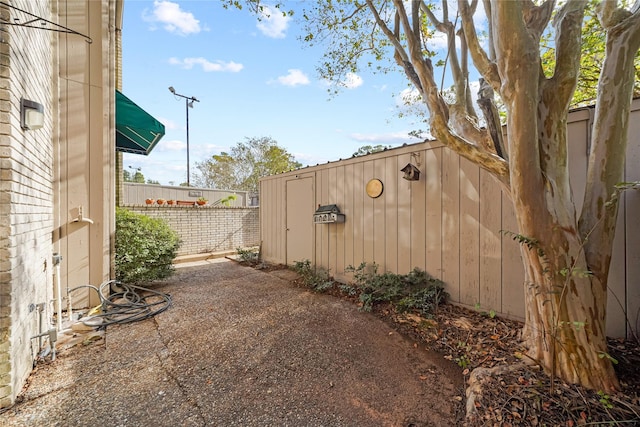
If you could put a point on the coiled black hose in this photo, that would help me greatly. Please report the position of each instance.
(123, 303)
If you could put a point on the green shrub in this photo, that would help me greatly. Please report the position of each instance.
(145, 247)
(318, 280)
(414, 291)
(249, 256)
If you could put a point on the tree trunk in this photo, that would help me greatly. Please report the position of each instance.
(566, 308)
(565, 304)
(566, 261)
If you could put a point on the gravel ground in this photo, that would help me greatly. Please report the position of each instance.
(243, 347)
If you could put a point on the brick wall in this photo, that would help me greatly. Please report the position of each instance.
(208, 229)
(26, 197)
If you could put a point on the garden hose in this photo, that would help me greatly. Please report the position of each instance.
(121, 303)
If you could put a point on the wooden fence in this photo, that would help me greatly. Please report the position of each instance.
(448, 223)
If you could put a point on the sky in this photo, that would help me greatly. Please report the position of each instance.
(253, 78)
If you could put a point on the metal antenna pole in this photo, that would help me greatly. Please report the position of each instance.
(187, 99)
(186, 103)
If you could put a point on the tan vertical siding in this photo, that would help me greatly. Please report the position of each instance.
(454, 223)
(432, 205)
(512, 270)
(390, 179)
(368, 214)
(347, 206)
(490, 242)
(341, 234)
(422, 208)
(469, 237)
(631, 231)
(451, 223)
(616, 298)
(334, 189)
(379, 217)
(357, 217)
(403, 217)
(280, 231)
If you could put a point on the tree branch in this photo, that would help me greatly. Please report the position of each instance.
(420, 72)
(440, 123)
(611, 15)
(537, 17)
(568, 25)
(485, 66)
(497, 166)
(492, 118)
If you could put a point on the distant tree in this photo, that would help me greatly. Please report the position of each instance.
(368, 149)
(136, 177)
(244, 165)
(153, 181)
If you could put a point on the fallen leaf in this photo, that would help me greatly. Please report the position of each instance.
(462, 323)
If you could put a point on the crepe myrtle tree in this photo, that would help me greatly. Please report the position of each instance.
(566, 253)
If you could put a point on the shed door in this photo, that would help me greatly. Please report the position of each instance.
(300, 209)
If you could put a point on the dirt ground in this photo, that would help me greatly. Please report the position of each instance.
(245, 347)
(502, 390)
(254, 347)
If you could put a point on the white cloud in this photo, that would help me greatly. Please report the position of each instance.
(310, 159)
(207, 66)
(273, 23)
(408, 97)
(392, 138)
(171, 145)
(438, 41)
(294, 77)
(168, 123)
(172, 18)
(201, 152)
(352, 81)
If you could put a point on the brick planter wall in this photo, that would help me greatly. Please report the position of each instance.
(208, 229)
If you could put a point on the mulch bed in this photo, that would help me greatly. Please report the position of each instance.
(516, 394)
(522, 394)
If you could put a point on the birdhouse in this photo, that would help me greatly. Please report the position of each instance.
(411, 172)
(327, 214)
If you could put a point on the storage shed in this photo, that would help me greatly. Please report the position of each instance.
(424, 206)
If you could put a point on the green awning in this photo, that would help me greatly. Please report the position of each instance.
(136, 130)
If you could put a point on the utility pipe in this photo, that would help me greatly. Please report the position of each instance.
(57, 260)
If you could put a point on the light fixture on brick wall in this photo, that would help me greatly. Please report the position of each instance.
(31, 114)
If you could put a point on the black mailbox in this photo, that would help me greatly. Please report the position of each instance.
(327, 214)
